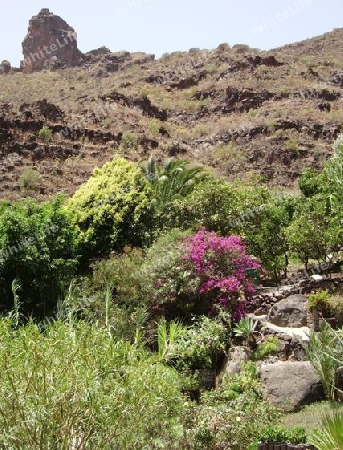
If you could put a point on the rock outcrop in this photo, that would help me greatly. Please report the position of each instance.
(291, 384)
(50, 42)
(289, 312)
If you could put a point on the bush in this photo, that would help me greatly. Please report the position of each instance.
(112, 209)
(45, 134)
(266, 348)
(199, 346)
(38, 247)
(283, 435)
(245, 210)
(30, 180)
(76, 387)
(199, 274)
(235, 425)
(129, 141)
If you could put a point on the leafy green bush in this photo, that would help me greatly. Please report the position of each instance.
(313, 229)
(112, 209)
(45, 134)
(199, 346)
(38, 247)
(283, 435)
(76, 387)
(267, 347)
(235, 425)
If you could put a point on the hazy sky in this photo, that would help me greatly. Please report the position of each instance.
(159, 26)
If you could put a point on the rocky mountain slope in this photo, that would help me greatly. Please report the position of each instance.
(245, 114)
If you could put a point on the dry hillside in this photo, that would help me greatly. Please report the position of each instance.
(243, 113)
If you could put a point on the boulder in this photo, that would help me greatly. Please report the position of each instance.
(236, 356)
(50, 40)
(290, 385)
(290, 312)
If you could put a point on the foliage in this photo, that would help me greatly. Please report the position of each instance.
(167, 337)
(267, 347)
(313, 231)
(235, 425)
(129, 141)
(252, 212)
(119, 272)
(234, 385)
(245, 328)
(45, 134)
(325, 352)
(76, 387)
(112, 209)
(318, 299)
(175, 180)
(281, 434)
(334, 172)
(38, 248)
(330, 435)
(198, 346)
(199, 274)
(310, 182)
(30, 180)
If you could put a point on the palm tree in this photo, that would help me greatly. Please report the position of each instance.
(171, 181)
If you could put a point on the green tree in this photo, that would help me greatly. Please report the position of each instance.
(313, 232)
(112, 209)
(38, 248)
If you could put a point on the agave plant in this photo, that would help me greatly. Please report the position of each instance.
(245, 329)
(330, 435)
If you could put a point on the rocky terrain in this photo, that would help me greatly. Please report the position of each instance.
(260, 116)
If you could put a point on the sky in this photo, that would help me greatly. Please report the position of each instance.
(161, 26)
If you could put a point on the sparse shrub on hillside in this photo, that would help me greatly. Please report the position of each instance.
(45, 134)
(30, 180)
(129, 141)
(112, 209)
(292, 144)
(241, 48)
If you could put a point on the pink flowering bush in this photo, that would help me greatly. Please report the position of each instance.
(222, 265)
(199, 274)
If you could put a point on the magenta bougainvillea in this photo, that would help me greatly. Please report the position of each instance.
(222, 266)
